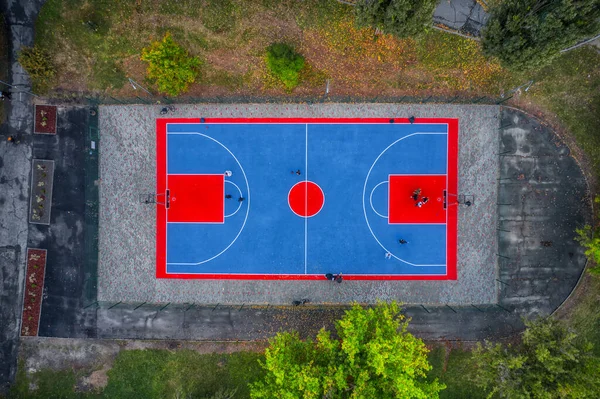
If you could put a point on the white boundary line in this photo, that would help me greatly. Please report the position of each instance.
(371, 199)
(306, 163)
(418, 174)
(174, 199)
(448, 189)
(247, 209)
(306, 199)
(307, 123)
(365, 191)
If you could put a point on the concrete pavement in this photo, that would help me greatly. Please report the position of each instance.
(15, 168)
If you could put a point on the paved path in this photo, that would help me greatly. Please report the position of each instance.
(15, 167)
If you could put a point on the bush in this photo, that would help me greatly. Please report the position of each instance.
(170, 66)
(285, 64)
(589, 238)
(401, 18)
(39, 66)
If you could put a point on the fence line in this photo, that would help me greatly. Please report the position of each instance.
(326, 99)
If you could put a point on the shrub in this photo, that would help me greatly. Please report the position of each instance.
(285, 64)
(589, 238)
(170, 66)
(401, 18)
(39, 66)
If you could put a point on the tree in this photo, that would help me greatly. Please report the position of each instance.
(401, 18)
(524, 34)
(285, 64)
(550, 363)
(375, 357)
(39, 66)
(589, 238)
(170, 66)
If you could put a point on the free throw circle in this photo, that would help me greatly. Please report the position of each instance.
(306, 199)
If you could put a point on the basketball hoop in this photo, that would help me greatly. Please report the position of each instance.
(155, 198)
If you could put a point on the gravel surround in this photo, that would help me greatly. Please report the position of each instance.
(127, 228)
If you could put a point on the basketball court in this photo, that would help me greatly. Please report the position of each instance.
(283, 198)
(256, 203)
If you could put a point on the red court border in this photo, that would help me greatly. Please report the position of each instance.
(161, 213)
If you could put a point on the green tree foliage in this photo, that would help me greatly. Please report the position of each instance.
(374, 357)
(170, 66)
(550, 363)
(589, 238)
(401, 18)
(530, 33)
(39, 66)
(285, 64)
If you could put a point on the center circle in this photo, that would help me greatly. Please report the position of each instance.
(306, 199)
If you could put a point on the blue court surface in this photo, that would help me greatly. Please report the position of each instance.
(299, 198)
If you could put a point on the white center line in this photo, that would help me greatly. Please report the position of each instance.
(306, 200)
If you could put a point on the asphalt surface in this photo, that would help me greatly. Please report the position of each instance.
(543, 197)
(64, 238)
(466, 16)
(15, 168)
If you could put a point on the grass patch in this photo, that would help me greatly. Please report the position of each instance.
(459, 63)
(219, 15)
(222, 78)
(456, 372)
(47, 384)
(163, 374)
(320, 13)
(570, 88)
(586, 318)
(149, 374)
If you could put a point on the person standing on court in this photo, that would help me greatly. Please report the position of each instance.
(415, 194)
